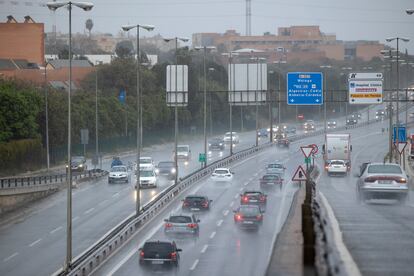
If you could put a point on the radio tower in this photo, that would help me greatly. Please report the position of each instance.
(248, 17)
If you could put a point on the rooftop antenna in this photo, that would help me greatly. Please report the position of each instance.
(248, 17)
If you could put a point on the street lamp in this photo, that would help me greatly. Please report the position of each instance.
(409, 11)
(346, 98)
(398, 81)
(86, 6)
(231, 86)
(205, 49)
(47, 120)
(211, 69)
(126, 28)
(279, 109)
(176, 39)
(324, 67)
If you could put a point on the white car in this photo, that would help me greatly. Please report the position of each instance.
(222, 174)
(147, 179)
(183, 152)
(231, 135)
(146, 163)
(118, 173)
(337, 167)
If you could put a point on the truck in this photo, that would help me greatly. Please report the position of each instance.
(337, 153)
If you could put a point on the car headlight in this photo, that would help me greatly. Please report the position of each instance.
(209, 145)
(173, 170)
(157, 171)
(67, 166)
(221, 144)
(81, 165)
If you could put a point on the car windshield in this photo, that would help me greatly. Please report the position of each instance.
(160, 247)
(182, 148)
(180, 219)
(255, 194)
(249, 210)
(337, 162)
(147, 173)
(166, 165)
(384, 168)
(221, 171)
(145, 161)
(195, 199)
(216, 141)
(118, 169)
(77, 159)
(271, 176)
(228, 134)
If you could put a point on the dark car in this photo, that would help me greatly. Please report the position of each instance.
(351, 121)
(262, 132)
(253, 198)
(159, 253)
(281, 140)
(249, 216)
(271, 179)
(216, 144)
(196, 203)
(78, 164)
(166, 168)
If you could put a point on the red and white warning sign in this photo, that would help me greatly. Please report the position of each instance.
(400, 147)
(299, 175)
(307, 150)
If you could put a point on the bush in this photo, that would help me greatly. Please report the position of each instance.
(20, 155)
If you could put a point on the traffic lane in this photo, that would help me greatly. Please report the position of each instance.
(246, 177)
(380, 234)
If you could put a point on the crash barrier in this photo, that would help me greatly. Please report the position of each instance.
(92, 257)
(19, 185)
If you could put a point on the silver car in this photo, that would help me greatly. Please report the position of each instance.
(275, 168)
(382, 181)
(182, 224)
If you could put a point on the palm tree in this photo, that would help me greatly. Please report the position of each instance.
(89, 26)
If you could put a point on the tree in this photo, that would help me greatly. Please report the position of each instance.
(124, 49)
(89, 26)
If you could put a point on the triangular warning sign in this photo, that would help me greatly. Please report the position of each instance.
(401, 146)
(299, 175)
(307, 150)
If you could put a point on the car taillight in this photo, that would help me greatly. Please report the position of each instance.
(246, 198)
(262, 198)
(192, 225)
(173, 256)
(204, 204)
(168, 225)
(239, 217)
(141, 254)
(186, 203)
(401, 180)
(259, 217)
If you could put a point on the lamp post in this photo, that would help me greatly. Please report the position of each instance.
(205, 49)
(96, 119)
(270, 110)
(176, 39)
(86, 6)
(47, 120)
(231, 86)
(398, 83)
(126, 28)
(367, 68)
(257, 59)
(346, 102)
(279, 109)
(324, 67)
(211, 69)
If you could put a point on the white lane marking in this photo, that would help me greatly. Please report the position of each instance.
(103, 202)
(204, 249)
(10, 257)
(250, 179)
(236, 196)
(35, 242)
(90, 210)
(55, 230)
(247, 183)
(241, 189)
(231, 204)
(226, 213)
(75, 218)
(212, 235)
(115, 195)
(219, 222)
(194, 265)
(345, 255)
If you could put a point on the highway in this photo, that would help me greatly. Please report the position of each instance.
(223, 249)
(98, 207)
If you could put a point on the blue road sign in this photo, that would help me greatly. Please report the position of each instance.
(402, 134)
(304, 88)
(122, 96)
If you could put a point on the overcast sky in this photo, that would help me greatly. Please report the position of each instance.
(349, 20)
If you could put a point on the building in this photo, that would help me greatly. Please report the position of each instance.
(22, 40)
(300, 43)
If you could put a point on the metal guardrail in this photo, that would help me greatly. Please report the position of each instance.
(92, 257)
(20, 185)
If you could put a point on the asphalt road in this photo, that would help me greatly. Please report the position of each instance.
(37, 236)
